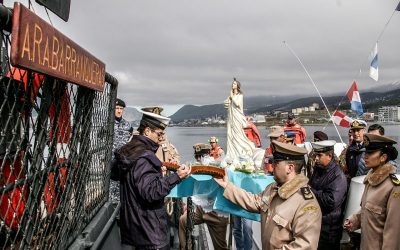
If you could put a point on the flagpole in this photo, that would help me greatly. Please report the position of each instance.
(373, 47)
(315, 86)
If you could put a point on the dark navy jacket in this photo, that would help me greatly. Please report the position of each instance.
(355, 160)
(329, 185)
(143, 217)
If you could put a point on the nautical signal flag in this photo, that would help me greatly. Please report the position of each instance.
(373, 69)
(341, 119)
(354, 97)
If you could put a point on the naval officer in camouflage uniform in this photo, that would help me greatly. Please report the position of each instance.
(122, 132)
(122, 128)
(290, 214)
(379, 217)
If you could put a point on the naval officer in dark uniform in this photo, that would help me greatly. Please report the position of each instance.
(329, 185)
(143, 216)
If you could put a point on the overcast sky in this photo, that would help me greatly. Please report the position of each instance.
(187, 51)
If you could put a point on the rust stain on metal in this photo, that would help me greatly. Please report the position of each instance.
(38, 46)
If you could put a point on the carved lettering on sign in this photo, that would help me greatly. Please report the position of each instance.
(40, 47)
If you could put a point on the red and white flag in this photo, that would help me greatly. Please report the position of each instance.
(341, 119)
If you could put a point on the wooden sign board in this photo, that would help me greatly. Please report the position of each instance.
(38, 46)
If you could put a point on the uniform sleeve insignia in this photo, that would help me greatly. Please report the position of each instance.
(307, 193)
(394, 179)
(310, 209)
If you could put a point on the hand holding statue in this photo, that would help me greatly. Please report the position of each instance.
(223, 182)
(184, 171)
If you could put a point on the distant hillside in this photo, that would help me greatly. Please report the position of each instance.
(251, 103)
(263, 105)
(198, 112)
(132, 114)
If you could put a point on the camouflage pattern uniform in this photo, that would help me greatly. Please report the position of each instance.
(122, 133)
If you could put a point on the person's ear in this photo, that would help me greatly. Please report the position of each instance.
(383, 158)
(289, 168)
(147, 131)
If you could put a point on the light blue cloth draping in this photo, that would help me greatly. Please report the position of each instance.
(195, 185)
(205, 185)
(251, 183)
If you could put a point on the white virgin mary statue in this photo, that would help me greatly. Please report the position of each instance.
(237, 143)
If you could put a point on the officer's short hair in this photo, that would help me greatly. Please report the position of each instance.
(143, 125)
(298, 165)
(377, 127)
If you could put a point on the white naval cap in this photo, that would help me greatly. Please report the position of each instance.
(323, 146)
(155, 119)
(358, 124)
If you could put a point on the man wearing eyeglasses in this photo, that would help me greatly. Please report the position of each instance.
(144, 219)
(290, 214)
(329, 185)
(310, 167)
(167, 152)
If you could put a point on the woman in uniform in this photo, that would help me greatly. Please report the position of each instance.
(380, 203)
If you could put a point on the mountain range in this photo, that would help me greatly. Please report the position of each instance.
(372, 99)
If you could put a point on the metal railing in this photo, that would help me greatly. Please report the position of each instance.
(55, 147)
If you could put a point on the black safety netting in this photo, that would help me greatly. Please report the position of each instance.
(55, 147)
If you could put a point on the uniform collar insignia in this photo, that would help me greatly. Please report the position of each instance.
(306, 192)
(376, 177)
(291, 187)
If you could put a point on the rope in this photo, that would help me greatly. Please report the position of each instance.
(315, 86)
(170, 206)
(30, 6)
(373, 46)
(357, 76)
(48, 16)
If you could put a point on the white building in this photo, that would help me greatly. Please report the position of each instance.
(369, 116)
(259, 119)
(389, 114)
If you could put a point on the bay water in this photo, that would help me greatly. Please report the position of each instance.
(183, 138)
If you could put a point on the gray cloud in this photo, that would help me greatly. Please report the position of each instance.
(186, 52)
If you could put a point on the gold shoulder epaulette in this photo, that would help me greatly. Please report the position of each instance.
(394, 179)
(306, 192)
